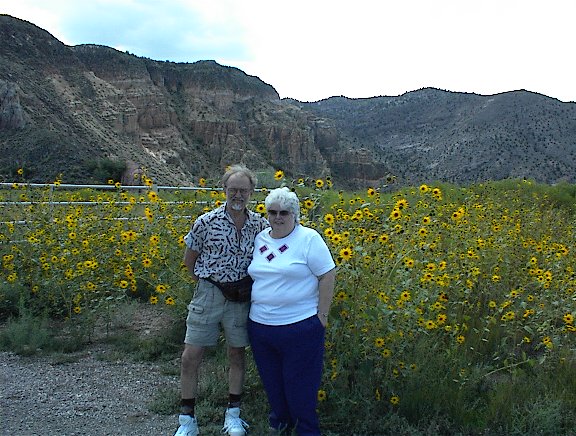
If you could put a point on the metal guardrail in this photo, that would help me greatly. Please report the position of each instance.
(87, 203)
(54, 186)
(106, 187)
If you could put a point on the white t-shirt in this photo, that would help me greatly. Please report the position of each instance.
(285, 273)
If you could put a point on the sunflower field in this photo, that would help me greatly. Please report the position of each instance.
(453, 310)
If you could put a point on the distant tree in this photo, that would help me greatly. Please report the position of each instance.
(107, 169)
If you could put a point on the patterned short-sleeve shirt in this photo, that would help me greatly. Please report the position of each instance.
(225, 253)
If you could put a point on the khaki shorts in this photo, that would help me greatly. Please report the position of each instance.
(208, 310)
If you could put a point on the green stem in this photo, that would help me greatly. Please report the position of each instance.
(512, 365)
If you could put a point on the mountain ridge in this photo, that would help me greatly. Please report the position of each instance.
(66, 109)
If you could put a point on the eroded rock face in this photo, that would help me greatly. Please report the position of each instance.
(62, 108)
(12, 115)
(220, 111)
(178, 121)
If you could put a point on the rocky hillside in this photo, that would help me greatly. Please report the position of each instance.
(65, 109)
(438, 135)
(86, 110)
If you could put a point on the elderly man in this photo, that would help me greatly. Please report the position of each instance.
(218, 251)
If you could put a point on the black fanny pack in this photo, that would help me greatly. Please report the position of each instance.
(239, 291)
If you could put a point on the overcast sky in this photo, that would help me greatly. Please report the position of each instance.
(314, 49)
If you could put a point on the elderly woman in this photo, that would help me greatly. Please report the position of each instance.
(294, 276)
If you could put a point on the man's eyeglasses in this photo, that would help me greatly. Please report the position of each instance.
(234, 191)
(273, 212)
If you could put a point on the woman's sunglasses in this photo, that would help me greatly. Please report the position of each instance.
(273, 212)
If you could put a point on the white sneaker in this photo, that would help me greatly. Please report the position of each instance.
(188, 426)
(233, 424)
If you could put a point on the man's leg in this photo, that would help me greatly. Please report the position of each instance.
(202, 329)
(234, 325)
(233, 424)
(189, 367)
(237, 370)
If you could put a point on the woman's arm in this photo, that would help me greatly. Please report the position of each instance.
(326, 284)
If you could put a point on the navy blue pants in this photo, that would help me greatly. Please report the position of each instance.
(289, 360)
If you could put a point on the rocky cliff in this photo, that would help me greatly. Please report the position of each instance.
(63, 107)
(68, 109)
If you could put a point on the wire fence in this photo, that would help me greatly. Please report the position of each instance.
(51, 189)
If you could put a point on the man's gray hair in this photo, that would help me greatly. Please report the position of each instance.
(287, 199)
(239, 168)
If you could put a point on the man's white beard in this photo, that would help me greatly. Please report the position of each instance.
(236, 206)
